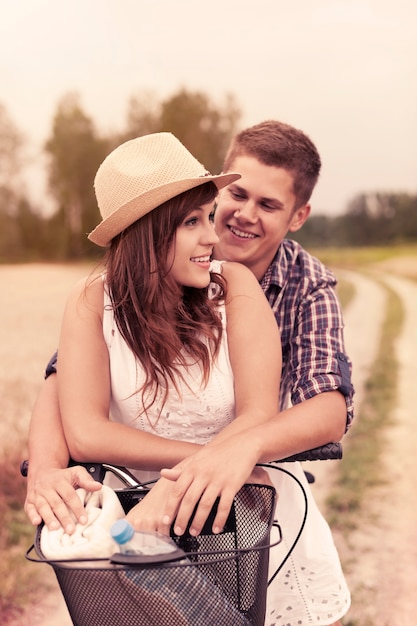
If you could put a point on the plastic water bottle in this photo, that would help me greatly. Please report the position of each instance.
(143, 543)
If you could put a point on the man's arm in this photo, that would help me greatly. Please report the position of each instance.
(317, 379)
(51, 483)
(316, 362)
(228, 463)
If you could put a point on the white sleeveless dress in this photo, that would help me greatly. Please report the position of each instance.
(310, 588)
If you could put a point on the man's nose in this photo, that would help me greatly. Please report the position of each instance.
(246, 211)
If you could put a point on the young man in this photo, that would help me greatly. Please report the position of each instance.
(279, 168)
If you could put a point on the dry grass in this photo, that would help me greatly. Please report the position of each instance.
(33, 298)
(19, 582)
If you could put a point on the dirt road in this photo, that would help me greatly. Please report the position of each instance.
(383, 552)
(363, 320)
(381, 560)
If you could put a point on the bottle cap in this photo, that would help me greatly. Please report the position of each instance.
(122, 531)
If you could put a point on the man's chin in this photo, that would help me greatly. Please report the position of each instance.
(230, 253)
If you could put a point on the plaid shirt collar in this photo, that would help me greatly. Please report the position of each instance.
(277, 272)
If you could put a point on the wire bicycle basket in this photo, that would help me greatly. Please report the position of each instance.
(217, 579)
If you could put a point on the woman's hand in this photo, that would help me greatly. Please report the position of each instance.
(51, 497)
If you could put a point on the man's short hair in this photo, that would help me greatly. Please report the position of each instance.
(280, 145)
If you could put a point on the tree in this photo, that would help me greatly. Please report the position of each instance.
(11, 143)
(204, 128)
(143, 116)
(75, 153)
(371, 219)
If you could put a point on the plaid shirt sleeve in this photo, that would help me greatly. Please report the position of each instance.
(309, 315)
(51, 368)
(317, 359)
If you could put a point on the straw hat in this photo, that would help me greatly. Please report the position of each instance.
(140, 175)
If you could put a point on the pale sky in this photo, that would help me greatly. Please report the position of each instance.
(344, 71)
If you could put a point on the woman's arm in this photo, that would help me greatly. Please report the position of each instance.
(254, 349)
(50, 488)
(84, 393)
(255, 356)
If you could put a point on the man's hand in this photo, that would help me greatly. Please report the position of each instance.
(51, 497)
(147, 515)
(216, 471)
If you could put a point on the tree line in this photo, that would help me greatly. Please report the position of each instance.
(75, 148)
(370, 219)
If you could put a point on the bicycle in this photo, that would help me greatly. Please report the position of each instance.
(211, 579)
(230, 569)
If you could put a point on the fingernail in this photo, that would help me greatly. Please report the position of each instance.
(53, 525)
(193, 532)
(69, 528)
(83, 519)
(217, 530)
(166, 520)
(178, 530)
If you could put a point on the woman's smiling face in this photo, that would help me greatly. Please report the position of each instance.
(190, 253)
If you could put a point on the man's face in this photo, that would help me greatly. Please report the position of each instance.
(255, 213)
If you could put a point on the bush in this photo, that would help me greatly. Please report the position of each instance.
(19, 578)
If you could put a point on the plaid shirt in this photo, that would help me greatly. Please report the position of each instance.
(300, 291)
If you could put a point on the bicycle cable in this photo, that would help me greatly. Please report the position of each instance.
(290, 551)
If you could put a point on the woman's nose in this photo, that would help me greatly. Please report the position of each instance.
(210, 236)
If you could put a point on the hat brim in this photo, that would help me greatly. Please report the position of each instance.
(133, 210)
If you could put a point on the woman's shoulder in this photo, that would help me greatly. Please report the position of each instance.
(233, 271)
(240, 281)
(88, 291)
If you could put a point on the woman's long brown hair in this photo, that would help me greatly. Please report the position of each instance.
(165, 326)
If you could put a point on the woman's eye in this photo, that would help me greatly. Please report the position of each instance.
(191, 221)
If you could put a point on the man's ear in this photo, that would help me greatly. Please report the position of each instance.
(299, 217)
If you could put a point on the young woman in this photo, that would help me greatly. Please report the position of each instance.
(161, 352)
